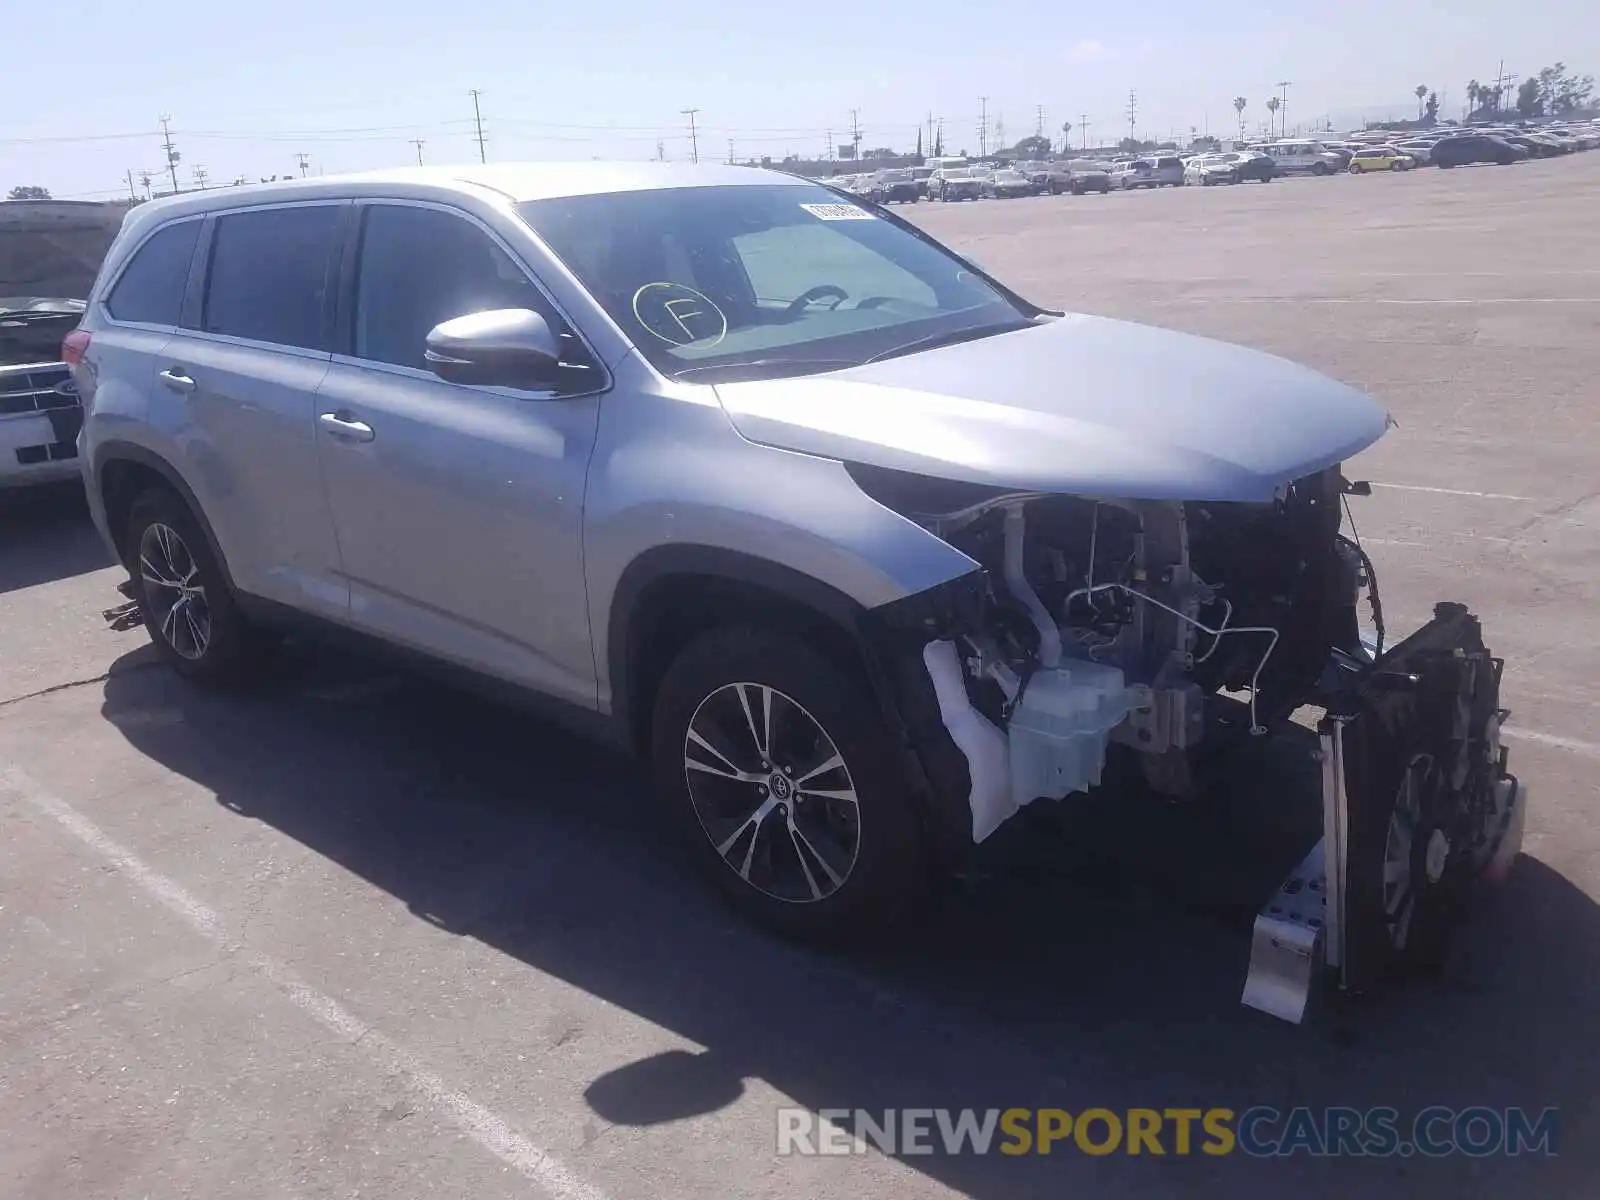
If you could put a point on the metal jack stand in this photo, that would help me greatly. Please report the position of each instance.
(1300, 932)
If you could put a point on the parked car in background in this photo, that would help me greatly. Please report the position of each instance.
(922, 174)
(1204, 170)
(1295, 157)
(1166, 171)
(1008, 184)
(1087, 175)
(1252, 167)
(1421, 151)
(898, 184)
(955, 183)
(1379, 158)
(1476, 148)
(49, 253)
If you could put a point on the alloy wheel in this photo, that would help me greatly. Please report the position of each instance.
(772, 792)
(177, 602)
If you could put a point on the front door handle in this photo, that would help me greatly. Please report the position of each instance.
(175, 379)
(341, 426)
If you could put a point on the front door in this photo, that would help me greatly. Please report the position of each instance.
(458, 509)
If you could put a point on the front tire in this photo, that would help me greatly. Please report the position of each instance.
(188, 606)
(779, 774)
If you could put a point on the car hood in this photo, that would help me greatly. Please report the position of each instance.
(1081, 404)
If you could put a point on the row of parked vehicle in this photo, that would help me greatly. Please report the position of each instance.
(951, 179)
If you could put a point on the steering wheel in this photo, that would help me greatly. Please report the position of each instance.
(821, 292)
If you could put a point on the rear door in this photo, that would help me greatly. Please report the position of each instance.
(240, 378)
(459, 509)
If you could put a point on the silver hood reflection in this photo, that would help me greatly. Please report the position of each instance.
(1084, 405)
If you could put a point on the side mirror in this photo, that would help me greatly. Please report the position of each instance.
(502, 347)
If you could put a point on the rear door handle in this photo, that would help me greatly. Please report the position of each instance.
(175, 379)
(346, 427)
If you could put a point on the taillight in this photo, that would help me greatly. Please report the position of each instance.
(74, 346)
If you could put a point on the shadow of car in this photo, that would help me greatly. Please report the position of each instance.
(1090, 958)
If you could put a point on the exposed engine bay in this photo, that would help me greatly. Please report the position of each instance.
(1116, 620)
(1093, 623)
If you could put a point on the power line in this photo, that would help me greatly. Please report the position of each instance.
(477, 120)
(694, 136)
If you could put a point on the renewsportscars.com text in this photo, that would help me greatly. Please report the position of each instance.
(1259, 1132)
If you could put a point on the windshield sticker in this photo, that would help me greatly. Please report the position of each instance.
(838, 212)
(679, 315)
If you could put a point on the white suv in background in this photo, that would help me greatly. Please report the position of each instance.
(1295, 157)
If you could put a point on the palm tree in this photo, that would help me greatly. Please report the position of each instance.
(1272, 108)
(1421, 94)
(1066, 136)
(1474, 94)
(1239, 103)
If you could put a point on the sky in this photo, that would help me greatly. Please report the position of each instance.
(352, 83)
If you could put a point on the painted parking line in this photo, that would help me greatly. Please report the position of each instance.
(484, 1126)
(1439, 491)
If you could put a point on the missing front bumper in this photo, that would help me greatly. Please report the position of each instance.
(1427, 709)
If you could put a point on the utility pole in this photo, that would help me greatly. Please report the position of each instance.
(855, 134)
(172, 154)
(983, 127)
(304, 160)
(694, 135)
(1038, 121)
(830, 145)
(1083, 128)
(930, 133)
(730, 152)
(418, 143)
(661, 152)
(144, 180)
(1283, 107)
(1133, 114)
(132, 195)
(477, 118)
(200, 174)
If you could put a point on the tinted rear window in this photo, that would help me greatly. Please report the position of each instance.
(151, 288)
(1170, 162)
(269, 275)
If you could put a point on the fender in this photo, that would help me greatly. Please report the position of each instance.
(106, 453)
(678, 558)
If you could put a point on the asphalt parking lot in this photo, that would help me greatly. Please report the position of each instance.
(352, 933)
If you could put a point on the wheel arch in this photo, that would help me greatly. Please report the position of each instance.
(121, 470)
(669, 594)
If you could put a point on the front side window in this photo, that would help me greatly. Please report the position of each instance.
(764, 279)
(151, 287)
(269, 275)
(418, 267)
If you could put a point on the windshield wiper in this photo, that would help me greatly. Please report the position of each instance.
(760, 363)
(30, 314)
(950, 338)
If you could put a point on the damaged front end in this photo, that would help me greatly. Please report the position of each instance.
(1098, 626)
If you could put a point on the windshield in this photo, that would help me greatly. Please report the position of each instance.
(763, 279)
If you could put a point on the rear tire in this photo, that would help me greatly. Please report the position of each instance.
(743, 718)
(189, 609)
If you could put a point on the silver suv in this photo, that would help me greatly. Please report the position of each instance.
(859, 549)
